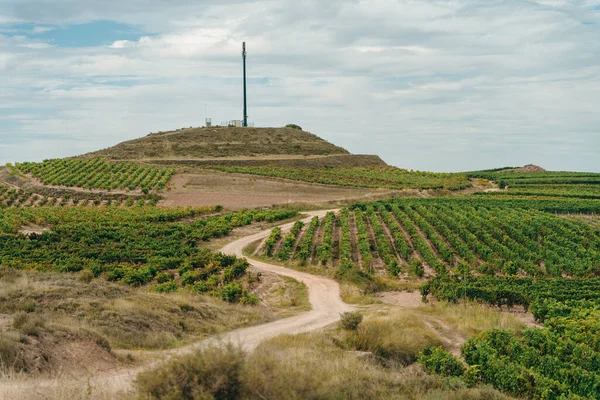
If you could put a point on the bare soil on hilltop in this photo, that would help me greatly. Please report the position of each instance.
(200, 143)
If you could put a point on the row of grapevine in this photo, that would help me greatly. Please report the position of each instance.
(15, 198)
(272, 241)
(384, 248)
(305, 247)
(324, 249)
(364, 245)
(98, 173)
(285, 251)
(419, 243)
(345, 241)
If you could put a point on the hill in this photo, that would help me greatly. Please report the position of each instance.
(220, 142)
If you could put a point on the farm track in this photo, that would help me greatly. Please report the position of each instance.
(324, 297)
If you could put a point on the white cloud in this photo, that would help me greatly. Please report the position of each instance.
(428, 85)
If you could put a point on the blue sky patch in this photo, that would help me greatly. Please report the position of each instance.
(96, 33)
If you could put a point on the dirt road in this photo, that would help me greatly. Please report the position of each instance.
(324, 296)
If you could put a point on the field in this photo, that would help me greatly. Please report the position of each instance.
(382, 177)
(440, 236)
(97, 173)
(203, 187)
(136, 246)
(15, 198)
(578, 185)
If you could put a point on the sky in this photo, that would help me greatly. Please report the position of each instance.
(449, 85)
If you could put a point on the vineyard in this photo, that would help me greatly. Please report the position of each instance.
(576, 185)
(448, 236)
(562, 360)
(98, 173)
(16, 198)
(388, 177)
(136, 246)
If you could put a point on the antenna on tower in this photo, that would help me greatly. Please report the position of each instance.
(245, 122)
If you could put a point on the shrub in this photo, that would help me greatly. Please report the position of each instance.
(438, 361)
(28, 324)
(86, 275)
(10, 354)
(213, 373)
(351, 320)
(166, 287)
(29, 306)
(139, 276)
(164, 277)
(293, 126)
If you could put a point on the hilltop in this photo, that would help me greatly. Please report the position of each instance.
(218, 142)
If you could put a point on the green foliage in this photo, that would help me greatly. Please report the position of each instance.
(289, 241)
(305, 246)
(272, 241)
(324, 249)
(436, 360)
(97, 173)
(136, 246)
(293, 126)
(574, 185)
(27, 198)
(386, 177)
(561, 360)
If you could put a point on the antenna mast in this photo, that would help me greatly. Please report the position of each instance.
(245, 122)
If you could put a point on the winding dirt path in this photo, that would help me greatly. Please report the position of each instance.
(324, 296)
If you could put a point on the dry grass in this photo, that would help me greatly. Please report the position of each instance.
(320, 365)
(396, 336)
(471, 318)
(195, 143)
(129, 318)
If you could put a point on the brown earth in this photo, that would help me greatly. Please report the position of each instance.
(235, 191)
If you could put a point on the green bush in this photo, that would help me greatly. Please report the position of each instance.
(438, 361)
(293, 126)
(166, 287)
(139, 276)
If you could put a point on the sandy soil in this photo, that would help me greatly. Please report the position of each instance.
(401, 299)
(235, 191)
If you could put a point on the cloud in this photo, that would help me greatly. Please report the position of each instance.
(428, 85)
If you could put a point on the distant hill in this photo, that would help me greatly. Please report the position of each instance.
(526, 168)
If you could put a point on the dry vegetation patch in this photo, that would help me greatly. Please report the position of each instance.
(128, 318)
(331, 364)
